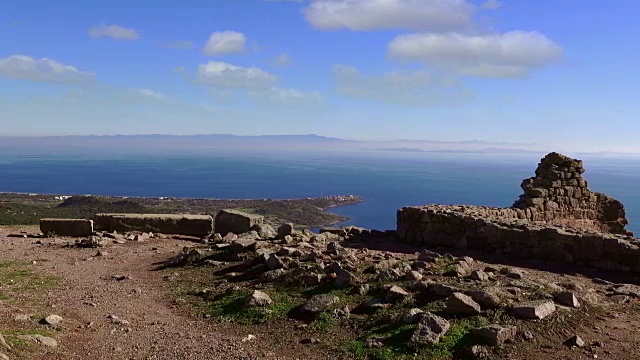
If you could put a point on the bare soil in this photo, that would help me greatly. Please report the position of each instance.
(92, 291)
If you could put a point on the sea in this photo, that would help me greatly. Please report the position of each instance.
(385, 180)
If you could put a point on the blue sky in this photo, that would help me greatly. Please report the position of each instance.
(561, 73)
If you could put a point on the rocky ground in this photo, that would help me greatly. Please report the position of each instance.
(267, 294)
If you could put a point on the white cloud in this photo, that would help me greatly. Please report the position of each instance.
(492, 5)
(24, 67)
(179, 44)
(281, 95)
(418, 87)
(113, 31)
(512, 54)
(146, 94)
(283, 60)
(363, 15)
(225, 42)
(228, 76)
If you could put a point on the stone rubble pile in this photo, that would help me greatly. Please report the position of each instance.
(402, 284)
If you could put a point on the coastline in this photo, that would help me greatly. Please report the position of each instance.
(28, 208)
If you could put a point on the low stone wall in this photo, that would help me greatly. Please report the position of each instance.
(484, 229)
(66, 227)
(182, 224)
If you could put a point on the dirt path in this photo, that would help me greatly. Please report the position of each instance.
(89, 293)
(116, 305)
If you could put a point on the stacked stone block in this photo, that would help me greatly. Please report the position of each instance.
(558, 194)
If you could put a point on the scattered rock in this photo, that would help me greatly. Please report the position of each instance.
(429, 330)
(375, 304)
(527, 335)
(333, 248)
(534, 309)
(428, 256)
(3, 356)
(273, 275)
(412, 316)
(413, 276)
(229, 237)
(318, 303)
(285, 230)
(443, 290)
(574, 341)
(22, 317)
(495, 335)
(44, 340)
(345, 278)
(396, 293)
(217, 238)
(117, 320)
(420, 265)
(486, 298)
(516, 274)
(248, 338)
(265, 231)
(490, 269)
(52, 320)
(274, 262)
(311, 279)
(474, 352)
(479, 275)
(4, 344)
(461, 304)
(309, 341)
(258, 299)
(243, 245)
(343, 312)
(375, 343)
(91, 242)
(361, 289)
(602, 281)
(567, 298)
(626, 289)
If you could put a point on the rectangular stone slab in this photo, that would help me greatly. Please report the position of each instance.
(181, 224)
(66, 227)
(237, 222)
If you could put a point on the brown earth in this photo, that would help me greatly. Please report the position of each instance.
(125, 282)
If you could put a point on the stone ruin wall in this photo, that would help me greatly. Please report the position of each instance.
(557, 218)
(559, 195)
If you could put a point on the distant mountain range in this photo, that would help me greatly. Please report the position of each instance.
(203, 142)
(228, 142)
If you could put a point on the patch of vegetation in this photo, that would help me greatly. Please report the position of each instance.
(229, 307)
(397, 335)
(28, 213)
(23, 349)
(324, 323)
(16, 277)
(23, 209)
